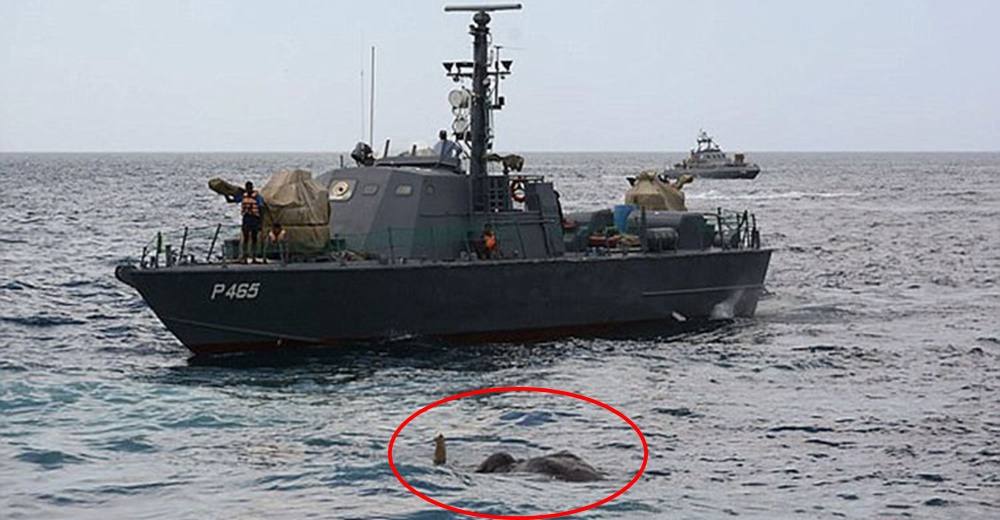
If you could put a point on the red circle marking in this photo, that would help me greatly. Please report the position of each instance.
(645, 452)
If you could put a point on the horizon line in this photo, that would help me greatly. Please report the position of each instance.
(347, 152)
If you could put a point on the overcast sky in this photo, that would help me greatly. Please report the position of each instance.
(589, 75)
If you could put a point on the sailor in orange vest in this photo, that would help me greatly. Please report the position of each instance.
(489, 241)
(251, 208)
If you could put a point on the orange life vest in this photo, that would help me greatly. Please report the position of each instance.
(250, 206)
(490, 241)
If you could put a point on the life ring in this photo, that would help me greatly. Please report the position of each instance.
(517, 191)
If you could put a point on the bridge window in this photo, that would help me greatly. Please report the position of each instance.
(404, 190)
(369, 189)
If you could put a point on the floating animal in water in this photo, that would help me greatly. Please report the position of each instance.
(562, 466)
(440, 456)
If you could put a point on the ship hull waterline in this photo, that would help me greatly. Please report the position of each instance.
(215, 309)
(722, 172)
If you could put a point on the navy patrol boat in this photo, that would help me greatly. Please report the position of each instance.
(708, 161)
(418, 246)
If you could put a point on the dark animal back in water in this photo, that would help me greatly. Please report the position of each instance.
(563, 466)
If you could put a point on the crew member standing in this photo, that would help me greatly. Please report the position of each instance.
(252, 209)
(446, 148)
(489, 239)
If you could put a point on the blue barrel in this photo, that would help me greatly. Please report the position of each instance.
(622, 211)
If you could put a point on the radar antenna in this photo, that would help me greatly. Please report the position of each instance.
(482, 102)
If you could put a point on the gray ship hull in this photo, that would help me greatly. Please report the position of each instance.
(749, 171)
(215, 309)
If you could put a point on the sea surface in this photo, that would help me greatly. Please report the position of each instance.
(867, 386)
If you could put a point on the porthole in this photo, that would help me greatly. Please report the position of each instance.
(341, 190)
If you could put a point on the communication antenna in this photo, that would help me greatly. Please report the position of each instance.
(371, 117)
(484, 95)
(361, 136)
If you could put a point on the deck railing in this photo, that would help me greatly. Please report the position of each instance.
(734, 230)
(221, 243)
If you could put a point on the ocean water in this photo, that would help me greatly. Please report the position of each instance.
(867, 386)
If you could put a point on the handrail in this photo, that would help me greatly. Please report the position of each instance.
(211, 248)
(198, 245)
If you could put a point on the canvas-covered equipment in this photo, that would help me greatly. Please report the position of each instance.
(652, 193)
(300, 204)
(224, 187)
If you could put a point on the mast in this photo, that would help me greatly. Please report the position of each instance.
(481, 99)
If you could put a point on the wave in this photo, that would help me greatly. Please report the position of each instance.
(136, 489)
(787, 195)
(528, 418)
(16, 285)
(41, 321)
(49, 459)
(130, 445)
